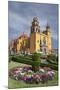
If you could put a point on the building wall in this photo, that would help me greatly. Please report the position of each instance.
(19, 41)
(32, 42)
(22, 44)
(49, 42)
(47, 45)
(38, 38)
(37, 43)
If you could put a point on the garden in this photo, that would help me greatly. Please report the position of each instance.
(29, 71)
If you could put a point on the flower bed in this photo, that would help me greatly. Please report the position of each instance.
(27, 75)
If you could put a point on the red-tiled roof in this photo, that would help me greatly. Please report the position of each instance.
(23, 35)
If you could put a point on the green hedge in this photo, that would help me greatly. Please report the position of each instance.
(55, 67)
(25, 61)
(25, 57)
(52, 59)
(21, 59)
(52, 62)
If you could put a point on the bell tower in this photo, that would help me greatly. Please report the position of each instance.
(35, 36)
(35, 25)
(48, 33)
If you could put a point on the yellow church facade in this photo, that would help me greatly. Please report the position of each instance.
(37, 41)
(37, 45)
(40, 41)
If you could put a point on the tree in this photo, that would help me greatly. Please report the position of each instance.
(35, 62)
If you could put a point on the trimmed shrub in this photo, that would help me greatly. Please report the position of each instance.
(36, 62)
(35, 57)
(35, 65)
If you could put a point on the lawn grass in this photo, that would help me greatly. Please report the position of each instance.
(21, 84)
(15, 64)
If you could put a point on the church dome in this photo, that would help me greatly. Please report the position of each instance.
(47, 26)
(35, 19)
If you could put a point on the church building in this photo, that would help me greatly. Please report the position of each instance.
(37, 41)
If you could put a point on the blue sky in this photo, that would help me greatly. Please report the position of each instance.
(20, 15)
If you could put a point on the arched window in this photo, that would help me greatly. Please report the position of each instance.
(44, 41)
(36, 29)
(41, 49)
(40, 42)
(45, 50)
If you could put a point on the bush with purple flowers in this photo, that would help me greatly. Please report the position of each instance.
(29, 76)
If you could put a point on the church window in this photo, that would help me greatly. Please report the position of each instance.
(37, 41)
(44, 41)
(36, 30)
(45, 50)
(40, 43)
(40, 48)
